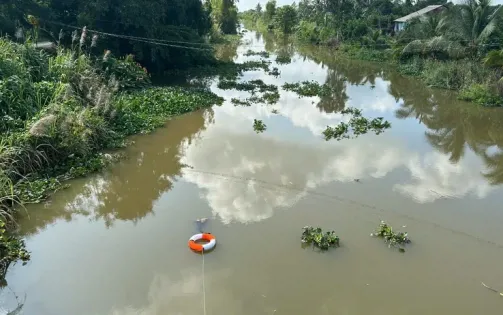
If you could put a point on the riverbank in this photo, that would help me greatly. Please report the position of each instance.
(474, 81)
(60, 112)
(448, 50)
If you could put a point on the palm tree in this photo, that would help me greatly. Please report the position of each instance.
(474, 21)
(471, 24)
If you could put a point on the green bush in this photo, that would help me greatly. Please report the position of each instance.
(481, 94)
(129, 73)
(454, 75)
(307, 32)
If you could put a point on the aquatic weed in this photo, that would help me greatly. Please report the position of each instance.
(259, 126)
(274, 72)
(308, 88)
(318, 238)
(357, 125)
(393, 239)
(283, 59)
(238, 102)
(263, 54)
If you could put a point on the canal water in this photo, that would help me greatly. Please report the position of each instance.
(116, 242)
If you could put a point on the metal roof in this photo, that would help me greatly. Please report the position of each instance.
(418, 13)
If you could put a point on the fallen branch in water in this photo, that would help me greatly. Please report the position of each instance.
(494, 290)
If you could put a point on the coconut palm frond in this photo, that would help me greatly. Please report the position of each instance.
(494, 58)
(435, 46)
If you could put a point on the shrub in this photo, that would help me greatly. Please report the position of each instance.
(307, 32)
(129, 73)
(454, 75)
(481, 94)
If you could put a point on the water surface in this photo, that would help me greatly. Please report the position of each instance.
(116, 243)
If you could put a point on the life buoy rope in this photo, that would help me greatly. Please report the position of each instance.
(211, 242)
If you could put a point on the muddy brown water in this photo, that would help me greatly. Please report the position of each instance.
(116, 243)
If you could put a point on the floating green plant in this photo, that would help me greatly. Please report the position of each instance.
(393, 239)
(283, 59)
(274, 72)
(238, 102)
(259, 126)
(250, 86)
(356, 126)
(275, 111)
(263, 54)
(318, 238)
(308, 88)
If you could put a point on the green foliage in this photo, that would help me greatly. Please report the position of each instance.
(283, 59)
(145, 110)
(263, 54)
(167, 21)
(454, 75)
(58, 115)
(285, 19)
(259, 126)
(393, 239)
(308, 88)
(357, 125)
(318, 238)
(308, 32)
(129, 73)
(365, 53)
(270, 10)
(481, 94)
(225, 15)
(274, 72)
(12, 248)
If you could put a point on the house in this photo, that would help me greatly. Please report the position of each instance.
(399, 24)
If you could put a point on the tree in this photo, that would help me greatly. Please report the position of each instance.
(270, 10)
(474, 21)
(163, 20)
(258, 9)
(285, 19)
(225, 15)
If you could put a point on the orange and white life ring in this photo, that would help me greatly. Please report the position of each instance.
(211, 242)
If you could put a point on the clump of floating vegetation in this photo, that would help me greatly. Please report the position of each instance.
(356, 126)
(250, 86)
(259, 126)
(274, 72)
(308, 88)
(263, 54)
(393, 239)
(283, 59)
(275, 111)
(270, 94)
(318, 238)
(224, 70)
(238, 102)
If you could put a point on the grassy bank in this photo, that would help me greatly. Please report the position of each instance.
(59, 112)
(458, 47)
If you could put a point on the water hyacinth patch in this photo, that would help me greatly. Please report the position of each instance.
(318, 238)
(393, 239)
(357, 125)
(263, 54)
(308, 88)
(274, 72)
(283, 59)
(259, 126)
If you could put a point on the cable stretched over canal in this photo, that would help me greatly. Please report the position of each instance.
(275, 186)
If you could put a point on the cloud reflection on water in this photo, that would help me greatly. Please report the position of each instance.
(305, 167)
